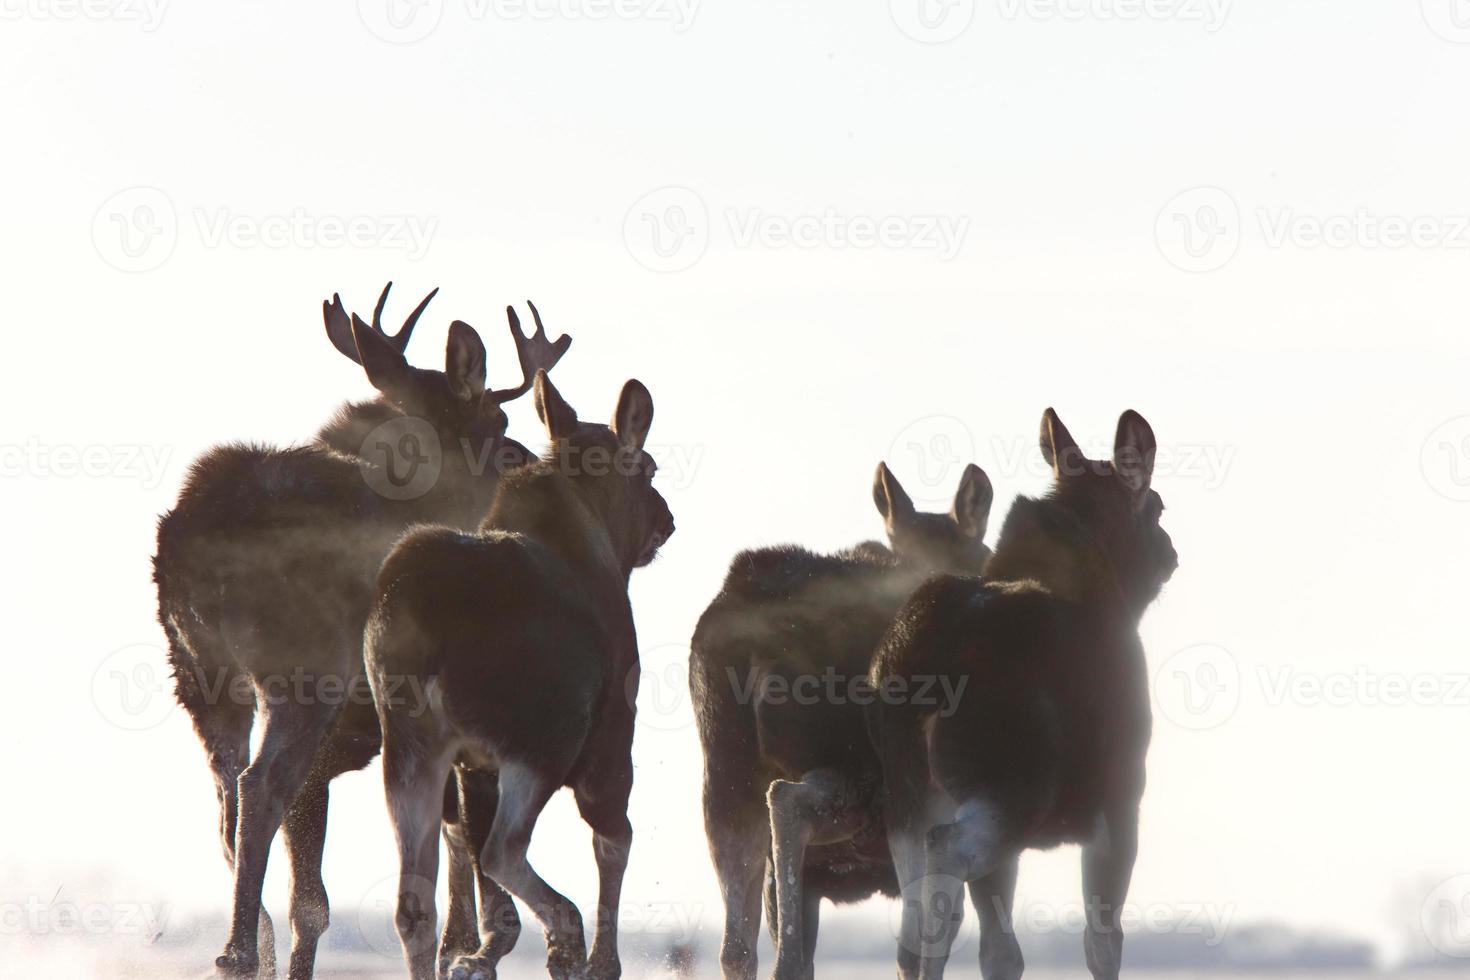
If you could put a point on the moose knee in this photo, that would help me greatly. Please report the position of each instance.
(310, 913)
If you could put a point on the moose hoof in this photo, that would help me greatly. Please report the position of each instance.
(236, 964)
(472, 968)
(566, 963)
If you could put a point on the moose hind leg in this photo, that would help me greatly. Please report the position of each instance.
(290, 739)
(306, 833)
(524, 793)
(413, 781)
(822, 808)
(606, 811)
(955, 853)
(993, 897)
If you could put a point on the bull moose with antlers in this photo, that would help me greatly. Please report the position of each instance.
(265, 570)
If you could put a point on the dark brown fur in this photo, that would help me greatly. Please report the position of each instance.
(1048, 744)
(807, 771)
(265, 570)
(523, 635)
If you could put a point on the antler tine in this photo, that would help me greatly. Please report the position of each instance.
(339, 327)
(536, 352)
(400, 339)
(378, 310)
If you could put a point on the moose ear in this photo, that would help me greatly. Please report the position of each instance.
(1134, 450)
(889, 496)
(634, 414)
(559, 418)
(385, 365)
(972, 502)
(1058, 447)
(464, 362)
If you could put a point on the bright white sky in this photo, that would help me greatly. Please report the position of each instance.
(1310, 393)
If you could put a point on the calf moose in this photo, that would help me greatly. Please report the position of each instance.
(521, 636)
(804, 774)
(1048, 744)
(264, 571)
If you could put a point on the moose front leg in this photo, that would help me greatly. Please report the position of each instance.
(822, 808)
(1107, 869)
(306, 832)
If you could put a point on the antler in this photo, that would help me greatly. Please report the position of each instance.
(339, 325)
(536, 352)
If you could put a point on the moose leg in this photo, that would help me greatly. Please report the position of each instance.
(291, 736)
(413, 781)
(523, 795)
(954, 853)
(461, 935)
(1107, 869)
(822, 808)
(993, 897)
(605, 808)
(306, 833)
(500, 924)
(739, 834)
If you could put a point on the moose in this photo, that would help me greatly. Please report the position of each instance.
(264, 570)
(799, 780)
(520, 636)
(1048, 744)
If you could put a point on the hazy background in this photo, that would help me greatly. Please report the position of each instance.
(1249, 221)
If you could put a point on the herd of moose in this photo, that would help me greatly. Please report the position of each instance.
(478, 633)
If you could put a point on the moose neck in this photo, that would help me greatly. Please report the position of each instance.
(553, 510)
(1042, 541)
(350, 425)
